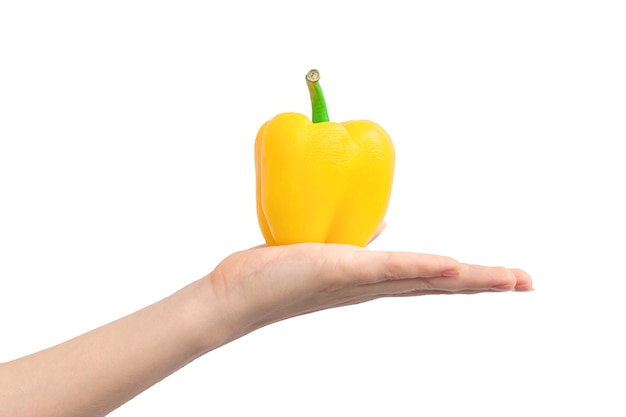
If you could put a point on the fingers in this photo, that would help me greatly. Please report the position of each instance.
(495, 278)
(377, 266)
(398, 273)
(471, 279)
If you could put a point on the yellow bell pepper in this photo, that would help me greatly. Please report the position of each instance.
(319, 181)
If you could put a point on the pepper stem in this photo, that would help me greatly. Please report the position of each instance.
(318, 103)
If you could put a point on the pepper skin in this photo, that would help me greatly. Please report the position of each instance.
(321, 181)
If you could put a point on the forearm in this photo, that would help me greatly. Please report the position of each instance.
(97, 372)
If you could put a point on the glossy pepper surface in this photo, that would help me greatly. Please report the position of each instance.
(320, 181)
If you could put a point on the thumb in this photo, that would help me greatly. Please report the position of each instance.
(378, 231)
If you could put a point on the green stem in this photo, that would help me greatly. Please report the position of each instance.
(318, 103)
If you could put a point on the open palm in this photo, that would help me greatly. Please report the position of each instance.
(274, 283)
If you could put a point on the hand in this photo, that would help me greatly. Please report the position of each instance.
(263, 285)
(98, 371)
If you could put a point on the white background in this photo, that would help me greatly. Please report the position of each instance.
(126, 172)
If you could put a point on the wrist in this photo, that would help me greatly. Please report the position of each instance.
(215, 319)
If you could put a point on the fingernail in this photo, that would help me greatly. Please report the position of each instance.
(450, 273)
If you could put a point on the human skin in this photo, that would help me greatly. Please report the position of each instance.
(95, 373)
